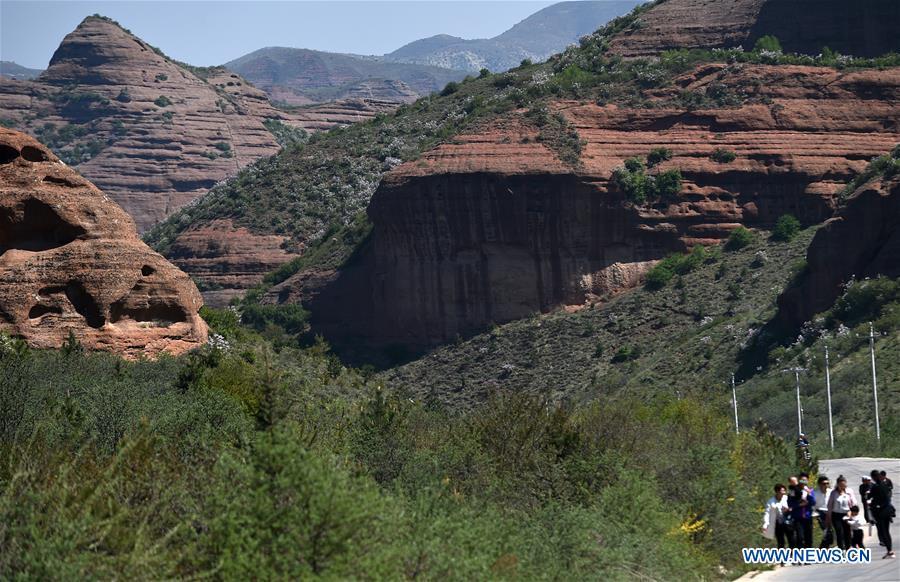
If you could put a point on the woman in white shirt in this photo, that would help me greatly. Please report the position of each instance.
(774, 526)
(839, 503)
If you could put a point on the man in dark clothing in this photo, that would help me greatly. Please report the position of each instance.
(890, 484)
(882, 510)
(864, 497)
(801, 500)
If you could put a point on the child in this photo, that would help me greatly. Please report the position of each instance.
(856, 527)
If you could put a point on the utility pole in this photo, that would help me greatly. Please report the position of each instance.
(796, 372)
(799, 408)
(874, 380)
(737, 428)
(828, 392)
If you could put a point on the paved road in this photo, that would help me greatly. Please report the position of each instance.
(879, 570)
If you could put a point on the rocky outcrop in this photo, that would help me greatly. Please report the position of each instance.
(151, 133)
(71, 263)
(492, 226)
(863, 240)
(227, 259)
(866, 28)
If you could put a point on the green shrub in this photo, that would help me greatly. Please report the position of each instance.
(767, 43)
(675, 264)
(450, 88)
(739, 238)
(484, 73)
(667, 184)
(786, 228)
(162, 101)
(723, 156)
(659, 276)
(639, 187)
(658, 155)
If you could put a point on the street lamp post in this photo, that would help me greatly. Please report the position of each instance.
(874, 380)
(828, 393)
(737, 428)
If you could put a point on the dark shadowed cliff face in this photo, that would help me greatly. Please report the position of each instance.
(456, 252)
(862, 28)
(863, 240)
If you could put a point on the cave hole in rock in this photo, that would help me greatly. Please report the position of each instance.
(162, 312)
(51, 290)
(86, 306)
(37, 228)
(33, 154)
(147, 270)
(144, 304)
(8, 153)
(40, 310)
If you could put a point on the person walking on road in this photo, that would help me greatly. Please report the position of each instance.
(839, 503)
(823, 493)
(883, 509)
(864, 488)
(801, 501)
(890, 484)
(776, 517)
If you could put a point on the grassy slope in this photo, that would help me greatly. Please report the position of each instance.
(689, 340)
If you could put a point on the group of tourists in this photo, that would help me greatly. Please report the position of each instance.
(841, 513)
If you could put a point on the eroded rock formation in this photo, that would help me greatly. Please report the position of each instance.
(71, 262)
(865, 28)
(151, 133)
(863, 240)
(492, 226)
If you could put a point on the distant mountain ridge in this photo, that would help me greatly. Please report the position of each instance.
(542, 34)
(152, 133)
(303, 76)
(12, 70)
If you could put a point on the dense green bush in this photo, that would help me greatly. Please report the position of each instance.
(658, 155)
(767, 43)
(723, 156)
(786, 228)
(243, 460)
(450, 88)
(162, 101)
(640, 187)
(675, 264)
(739, 238)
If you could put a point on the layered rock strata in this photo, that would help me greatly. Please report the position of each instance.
(151, 133)
(492, 226)
(71, 263)
(867, 28)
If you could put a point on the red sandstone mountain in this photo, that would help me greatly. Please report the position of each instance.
(492, 226)
(152, 133)
(862, 28)
(71, 263)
